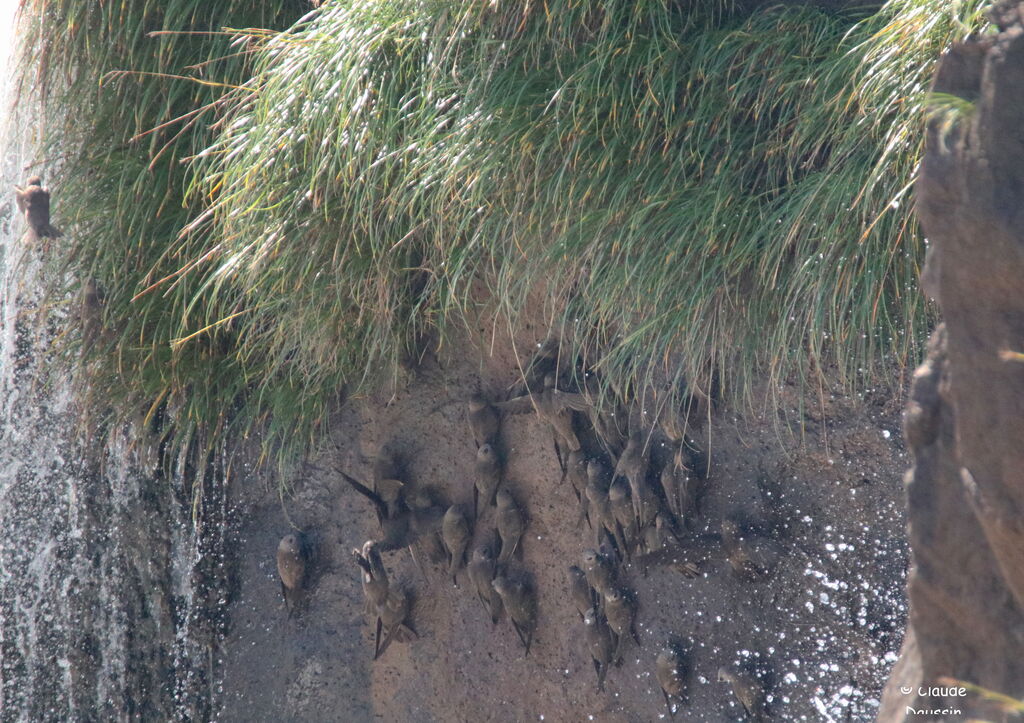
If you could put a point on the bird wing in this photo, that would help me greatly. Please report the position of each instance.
(378, 503)
(519, 405)
(570, 400)
(390, 487)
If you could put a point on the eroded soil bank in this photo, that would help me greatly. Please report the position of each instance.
(819, 488)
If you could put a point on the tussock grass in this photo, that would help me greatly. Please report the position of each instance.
(119, 190)
(705, 193)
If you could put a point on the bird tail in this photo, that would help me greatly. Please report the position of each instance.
(49, 231)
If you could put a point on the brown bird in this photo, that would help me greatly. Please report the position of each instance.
(91, 314)
(648, 505)
(621, 506)
(597, 503)
(748, 691)
(510, 524)
(673, 478)
(292, 556)
(34, 202)
(670, 669)
(521, 605)
(621, 615)
(425, 518)
(607, 416)
(543, 362)
(579, 590)
(373, 577)
(742, 558)
(691, 489)
(488, 477)
(393, 616)
(387, 482)
(483, 420)
(576, 471)
(388, 498)
(553, 406)
(633, 465)
(455, 531)
(482, 568)
(654, 537)
(599, 642)
(599, 570)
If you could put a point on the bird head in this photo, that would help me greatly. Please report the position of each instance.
(485, 453)
(485, 552)
(504, 499)
(502, 585)
(477, 402)
(34, 181)
(613, 596)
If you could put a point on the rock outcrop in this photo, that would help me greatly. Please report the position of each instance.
(965, 419)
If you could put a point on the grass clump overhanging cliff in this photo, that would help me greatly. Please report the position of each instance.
(717, 192)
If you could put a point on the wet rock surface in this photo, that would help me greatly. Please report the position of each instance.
(964, 421)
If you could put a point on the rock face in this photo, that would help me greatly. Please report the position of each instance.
(965, 420)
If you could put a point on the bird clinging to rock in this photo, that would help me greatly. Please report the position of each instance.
(599, 643)
(510, 524)
(488, 477)
(553, 406)
(620, 612)
(742, 557)
(633, 465)
(34, 202)
(393, 616)
(482, 569)
(292, 556)
(483, 420)
(599, 569)
(748, 691)
(455, 532)
(597, 507)
(374, 576)
(579, 590)
(670, 669)
(620, 504)
(521, 605)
